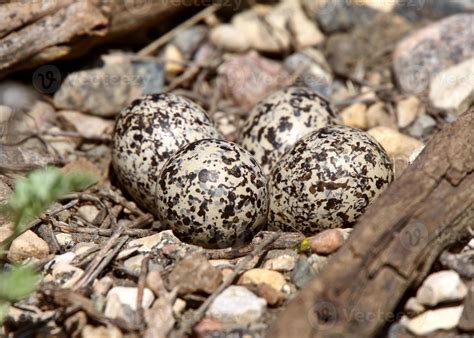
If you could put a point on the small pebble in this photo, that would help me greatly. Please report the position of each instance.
(88, 212)
(103, 285)
(396, 144)
(229, 38)
(195, 274)
(178, 307)
(408, 110)
(439, 287)
(432, 320)
(237, 305)
(249, 78)
(355, 116)
(452, 90)
(189, 40)
(206, 327)
(174, 60)
(122, 296)
(134, 263)
(377, 115)
(66, 275)
(423, 54)
(86, 125)
(423, 126)
(272, 296)
(327, 242)
(303, 272)
(259, 276)
(27, 245)
(282, 263)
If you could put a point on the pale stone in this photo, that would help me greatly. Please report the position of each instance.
(88, 212)
(178, 307)
(27, 245)
(66, 275)
(355, 116)
(121, 296)
(377, 115)
(259, 276)
(134, 263)
(64, 240)
(442, 286)
(229, 38)
(453, 89)
(430, 321)
(395, 144)
(86, 125)
(237, 305)
(408, 110)
(281, 263)
(174, 60)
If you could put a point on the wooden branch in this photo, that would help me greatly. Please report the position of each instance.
(43, 31)
(394, 245)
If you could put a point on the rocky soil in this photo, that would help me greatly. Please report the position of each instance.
(109, 269)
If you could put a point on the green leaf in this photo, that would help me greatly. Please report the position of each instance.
(18, 283)
(41, 188)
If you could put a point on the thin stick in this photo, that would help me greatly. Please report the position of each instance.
(101, 232)
(107, 260)
(155, 45)
(199, 313)
(90, 271)
(141, 288)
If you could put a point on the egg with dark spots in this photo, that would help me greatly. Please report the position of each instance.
(212, 193)
(147, 133)
(327, 180)
(275, 124)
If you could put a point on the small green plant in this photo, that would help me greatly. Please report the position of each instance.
(32, 195)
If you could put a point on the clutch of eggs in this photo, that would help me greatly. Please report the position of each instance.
(327, 180)
(147, 133)
(171, 159)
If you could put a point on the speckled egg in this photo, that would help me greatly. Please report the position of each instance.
(213, 193)
(327, 180)
(147, 133)
(276, 123)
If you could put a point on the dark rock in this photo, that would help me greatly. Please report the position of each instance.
(105, 91)
(336, 15)
(189, 40)
(423, 126)
(315, 72)
(428, 51)
(195, 274)
(432, 9)
(462, 263)
(303, 272)
(249, 78)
